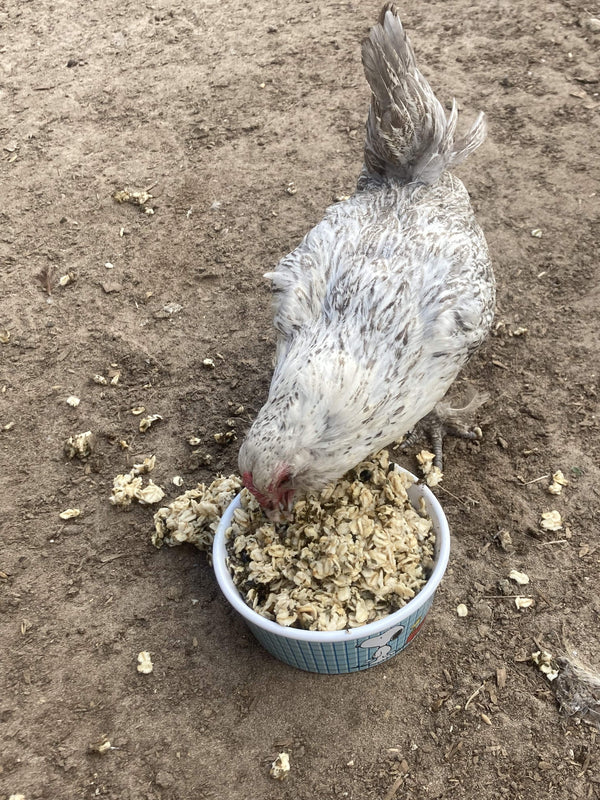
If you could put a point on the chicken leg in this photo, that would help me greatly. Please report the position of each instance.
(444, 420)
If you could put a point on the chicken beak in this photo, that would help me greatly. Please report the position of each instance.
(282, 512)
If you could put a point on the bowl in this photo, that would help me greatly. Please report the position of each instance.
(354, 649)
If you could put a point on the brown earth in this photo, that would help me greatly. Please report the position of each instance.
(219, 107)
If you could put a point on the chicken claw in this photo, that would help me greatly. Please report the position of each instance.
(444, 420)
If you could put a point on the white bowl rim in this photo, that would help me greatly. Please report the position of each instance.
(234, 597)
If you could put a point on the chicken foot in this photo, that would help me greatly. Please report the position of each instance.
(444, 420)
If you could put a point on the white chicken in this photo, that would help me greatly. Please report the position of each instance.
(383, 301)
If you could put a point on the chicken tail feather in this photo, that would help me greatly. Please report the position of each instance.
(409, 137)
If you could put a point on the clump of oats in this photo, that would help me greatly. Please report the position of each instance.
(146, 422)
(546, 664)
(551, 521)
(280, 767)
(144, 665)
(558, 481)
(195, 515)
(432, 474)
(129, 487)
(350, 554)
(80, 445)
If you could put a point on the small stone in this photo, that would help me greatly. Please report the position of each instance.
(70, 513)
(462, 610)
(173, 308)
(208, 363)
(501, 677)
(73, 401)
(592, 24)
(536, 233)
(164, 779)
(111, 287)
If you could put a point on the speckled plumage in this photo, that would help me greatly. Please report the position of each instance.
(384, 300)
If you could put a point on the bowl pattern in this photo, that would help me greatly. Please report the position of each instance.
(335, 658)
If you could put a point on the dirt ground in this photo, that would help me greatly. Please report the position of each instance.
(219, 107)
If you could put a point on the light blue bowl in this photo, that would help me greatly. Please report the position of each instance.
(336, 652)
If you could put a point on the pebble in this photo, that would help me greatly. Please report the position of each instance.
(593, 24)
(164, 779)
(110, 287)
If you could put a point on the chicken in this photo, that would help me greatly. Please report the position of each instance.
(384, 300)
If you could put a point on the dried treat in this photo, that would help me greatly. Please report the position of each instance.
(70, 513)
(545, 663)
(73, 401)
(280, 767)
(432, 474)
(138, 197)
(519, 577)
(350, 554)
(150, 494)
(146, 422)
(145, 665)
(79, 445)
(225, 438)
(195, 515)
(130, 486)
(558, 481)
(551, 521)
(524, 602)
(101, 746)
(462, 610)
